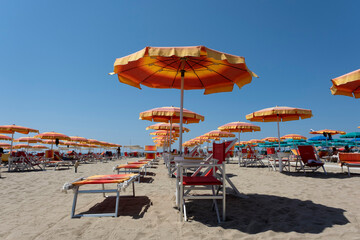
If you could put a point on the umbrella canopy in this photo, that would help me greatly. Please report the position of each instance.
(218, 134)
(318, 138)
(183, 68)
(51, 142)
(78, 139)
(11, 129)
(270, 139)
(5, 138)
(328, 131)
(347, 85)
(39, 147)
(254, 141)
(279, 114)
(28, 139)
(170, 114)
(52, 136)
(239, 127)
(5, 145)
(351, 135)
(165, 133)
(19, 146)
(294, 137)
(166, 126)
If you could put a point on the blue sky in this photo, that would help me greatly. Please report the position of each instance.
(56, 56)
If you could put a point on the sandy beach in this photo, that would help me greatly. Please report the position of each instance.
(279, 206)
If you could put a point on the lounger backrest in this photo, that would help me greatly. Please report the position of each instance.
(219, 152)
(270, 151)
(244, 150)
(307, 153)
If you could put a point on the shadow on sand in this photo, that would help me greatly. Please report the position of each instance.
(135, 207)
(260, 213)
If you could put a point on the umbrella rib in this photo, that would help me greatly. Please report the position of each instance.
(215, 71)
(196, 74)
(157, 71)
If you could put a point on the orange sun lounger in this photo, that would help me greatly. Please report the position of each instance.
(121, 181)
(134, 167)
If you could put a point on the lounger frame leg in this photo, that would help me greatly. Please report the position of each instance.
(76, 192)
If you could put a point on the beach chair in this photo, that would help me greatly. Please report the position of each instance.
(349, 160)
(122, 181)
(208, 182)
(22, 161)
(251, 158)
(309, 159)
(273, 160)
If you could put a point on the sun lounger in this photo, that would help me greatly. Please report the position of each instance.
(309, 159)
(131, 168)
(121, 180)
(250, 158)
(349, 160)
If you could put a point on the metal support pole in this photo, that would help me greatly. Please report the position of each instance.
(181, 110)
(11, 148)
(170, 134)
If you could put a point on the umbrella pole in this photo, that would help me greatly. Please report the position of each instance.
(278, 127)
(12, 140)
(181, 110)
(170, 134)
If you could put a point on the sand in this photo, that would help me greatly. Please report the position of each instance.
(279, 206)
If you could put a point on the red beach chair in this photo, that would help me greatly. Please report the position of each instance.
(309, 159)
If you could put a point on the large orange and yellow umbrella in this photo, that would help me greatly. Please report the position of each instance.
(20, 146)
(171, 115)
(5, 145)
(11, 129)
(239, 127)
(294, 137)
(78, 139)
(270, 139)
(166, 126)
(328, 131)
(52, 136)
(183, 68)
(165, 133)
(279, 114)
(28, 139)
(218, 134)
(39, 147)
(5, 138)
(347, 85)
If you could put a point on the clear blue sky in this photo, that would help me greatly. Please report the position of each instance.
(55, 57)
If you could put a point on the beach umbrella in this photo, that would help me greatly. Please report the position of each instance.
(19, 146)
(164, 133)
(39, 147)
(270, 139)
(327, 133)
(239, 127)
(28, 140)
(5, 145)
(53, 136)
(78, 139)
(171, 115)
(279, 114)
(318, 138)
(294, 137)
(218, 134)
(5, 138)
(354, 135)
(347, 85)
(166, 126)
(183, 68)
(11, 129)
